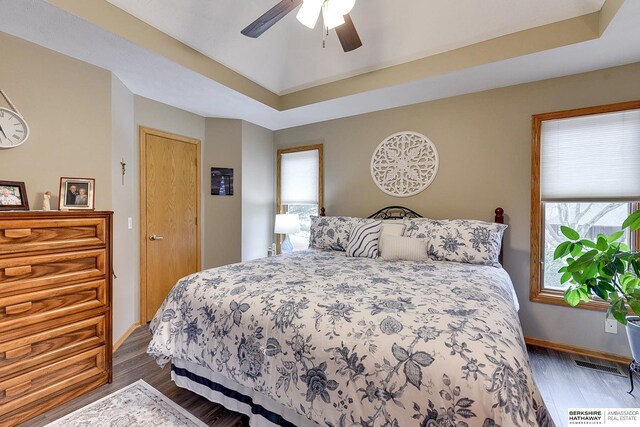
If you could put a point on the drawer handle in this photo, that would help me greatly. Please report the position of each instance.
(17, 352)
(17, 389)
(16, 233)
(17, 271)
(18, 308)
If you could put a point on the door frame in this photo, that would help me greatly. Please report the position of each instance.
(144, 131)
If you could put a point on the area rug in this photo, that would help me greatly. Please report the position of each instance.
(137, 405)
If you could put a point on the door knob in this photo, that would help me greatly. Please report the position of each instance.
(154, 237)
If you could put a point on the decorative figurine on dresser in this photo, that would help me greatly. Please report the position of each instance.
(55, 309)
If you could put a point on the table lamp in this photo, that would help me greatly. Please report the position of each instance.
(287, 224)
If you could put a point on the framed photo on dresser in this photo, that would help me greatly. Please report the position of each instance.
(13, 196)
(77, 193)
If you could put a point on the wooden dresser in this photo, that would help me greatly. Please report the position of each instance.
(55, 309)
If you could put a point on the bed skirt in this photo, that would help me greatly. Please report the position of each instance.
(261, 410)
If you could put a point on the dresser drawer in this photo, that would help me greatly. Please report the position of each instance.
(29, 235)
(45, 346)
(47, 380)
(25, 273)
(26, 309)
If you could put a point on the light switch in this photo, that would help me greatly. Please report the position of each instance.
(130, 223)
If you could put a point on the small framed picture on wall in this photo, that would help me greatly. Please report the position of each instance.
(13, 196)
(77, 193)
(222, 181)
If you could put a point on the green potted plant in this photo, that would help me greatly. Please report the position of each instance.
(606, 269)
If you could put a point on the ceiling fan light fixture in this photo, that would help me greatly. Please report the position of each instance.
(309, 13)
(331, 17)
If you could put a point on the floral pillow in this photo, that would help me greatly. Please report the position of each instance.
(417, 227)
(331, 232)
(460, 240)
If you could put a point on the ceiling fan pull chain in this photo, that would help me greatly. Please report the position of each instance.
(325, 33)
(6, 98)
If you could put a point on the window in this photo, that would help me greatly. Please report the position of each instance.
(585, 174)
(300, 188)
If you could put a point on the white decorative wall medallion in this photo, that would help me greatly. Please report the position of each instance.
(404, 164)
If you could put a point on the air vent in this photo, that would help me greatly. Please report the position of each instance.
(600, 368)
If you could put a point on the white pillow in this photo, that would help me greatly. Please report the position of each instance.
(404, 248)
(390, 227)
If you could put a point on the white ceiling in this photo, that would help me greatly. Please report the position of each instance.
(289, 56)
(153, 76)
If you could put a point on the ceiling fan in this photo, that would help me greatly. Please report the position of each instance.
(335, 14)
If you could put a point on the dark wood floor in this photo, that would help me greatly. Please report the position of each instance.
(562, 384)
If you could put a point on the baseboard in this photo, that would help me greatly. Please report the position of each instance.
(124, 336)
(581, 351)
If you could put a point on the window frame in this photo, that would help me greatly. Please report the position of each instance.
(537, 292)
(279, 153)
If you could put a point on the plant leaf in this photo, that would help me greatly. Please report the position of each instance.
(572, 297)
(635, 216)
(562, 250)
(588, 243)
(576, 249)
(569, 233)
(634, 303)
(619, 311)
(602, 243)
(615, 236)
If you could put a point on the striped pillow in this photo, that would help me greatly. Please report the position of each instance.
(363, 239)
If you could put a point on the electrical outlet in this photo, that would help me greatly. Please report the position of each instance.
(130, 223)
(611, 325)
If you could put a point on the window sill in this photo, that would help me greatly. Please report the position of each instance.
(557, 298)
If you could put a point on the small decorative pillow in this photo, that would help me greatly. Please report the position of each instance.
(363, 239)
(331, 232)
(404, 248)
(391, 227)
(462, 240)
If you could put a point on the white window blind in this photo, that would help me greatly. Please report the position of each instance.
(594, 157)
(299, 177)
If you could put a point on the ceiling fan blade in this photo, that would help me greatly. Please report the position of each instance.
(349, 38)
(273, 15)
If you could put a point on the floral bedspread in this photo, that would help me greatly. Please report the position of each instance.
(358, 341)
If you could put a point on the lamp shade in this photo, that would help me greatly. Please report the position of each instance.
(287, 224)
(309, 12)
(331, 17)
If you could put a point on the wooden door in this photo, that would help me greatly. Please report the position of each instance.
(170, 207)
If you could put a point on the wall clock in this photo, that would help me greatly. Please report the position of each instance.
(13, 127)
(404, 164)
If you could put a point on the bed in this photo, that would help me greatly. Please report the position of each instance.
(319, 338)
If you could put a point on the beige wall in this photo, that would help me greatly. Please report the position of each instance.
(257, 191)
(126, 287)
(484, 142)
(223, 221)
(67, 104)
